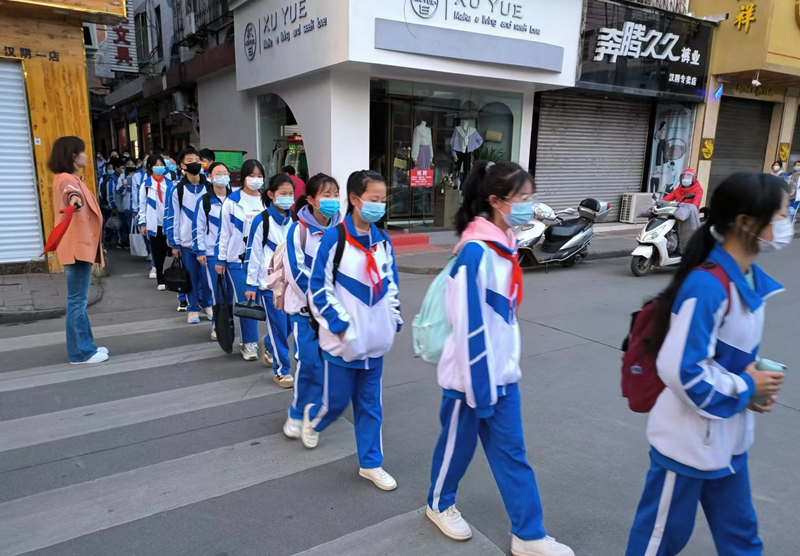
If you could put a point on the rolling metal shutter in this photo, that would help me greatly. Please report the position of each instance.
(741, 138)
(20, 225)
(590, 147)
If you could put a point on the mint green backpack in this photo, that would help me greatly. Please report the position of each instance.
(430, 327)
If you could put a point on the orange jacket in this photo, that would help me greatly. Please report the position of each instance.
(81, 242)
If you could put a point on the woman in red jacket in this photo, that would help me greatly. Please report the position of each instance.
(689, 184)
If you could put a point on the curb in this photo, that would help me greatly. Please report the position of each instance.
(44, 314)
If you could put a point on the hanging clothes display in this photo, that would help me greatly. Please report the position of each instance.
(421, 147)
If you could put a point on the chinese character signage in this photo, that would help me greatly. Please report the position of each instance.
(627, 48)
(119, 47)
(421, 178)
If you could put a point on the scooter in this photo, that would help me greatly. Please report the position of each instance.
(566, 241)
(658, 240)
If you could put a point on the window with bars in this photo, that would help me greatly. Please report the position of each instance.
(142, 38)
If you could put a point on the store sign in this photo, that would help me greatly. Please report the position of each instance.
(746, 90)
(746, 16)
(25, 53)
(707, 149)
(290, 22)
(677, 6)
(670, 150)
(425, 8)
(783, 152)
(421, 178)
(497, 14)
(634, 48)
(120, 45)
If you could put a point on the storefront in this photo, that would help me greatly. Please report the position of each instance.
(43, 96)
(418, 90)
(628, 125)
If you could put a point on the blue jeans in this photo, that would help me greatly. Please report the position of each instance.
(80, 341)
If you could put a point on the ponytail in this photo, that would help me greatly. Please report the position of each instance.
(301, 201)
(502, 179)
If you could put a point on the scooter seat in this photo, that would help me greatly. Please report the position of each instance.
(566, 229)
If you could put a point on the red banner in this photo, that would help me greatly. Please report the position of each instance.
(421, 178)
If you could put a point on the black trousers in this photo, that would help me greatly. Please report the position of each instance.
(464, 161)
(159, 246)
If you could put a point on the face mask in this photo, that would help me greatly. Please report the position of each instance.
(284, 203)
(194, 168)
(110, 172)
(171, 166)
(254, 184)
(126, 155)
(130, 170)
(159, 171)
(776, 168)
(686, 182)
(329, 207)
(797, 168)
(372, 212)
(222, 181)
(521, 213)
(782, 235)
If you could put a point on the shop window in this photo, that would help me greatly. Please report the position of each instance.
(280, 137)
(142, 38)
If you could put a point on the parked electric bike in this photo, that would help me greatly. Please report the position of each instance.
(555, 238)
(659, 240)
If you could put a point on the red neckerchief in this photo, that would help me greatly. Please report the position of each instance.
(516, 272)
(159, 179)
(372, 266)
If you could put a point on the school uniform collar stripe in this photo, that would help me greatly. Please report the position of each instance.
(373, 232)
(765, 286)
(280, 220)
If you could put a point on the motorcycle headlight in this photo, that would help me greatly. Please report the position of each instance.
(651, 236)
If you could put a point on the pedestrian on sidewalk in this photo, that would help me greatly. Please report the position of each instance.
(136, 187)
(355, 299)
(107, 195)
(479, 367)
(267, 231)
(316, 212)
(123, 200)
(238, 212)
(205, 230)
(707, 336)
(152, 198)
(299, 184)
(80, 247)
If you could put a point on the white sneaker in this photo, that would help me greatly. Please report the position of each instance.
(161, 288)
(250, 351)
(193, 318)
(450, 523)
(210, 313)
(267, 357)
(292, 427)
(98, 357)
(381, 478)
(308, 435)
(102, 350)
(213, 335)
(284, 381)
(546, 546)
(152, 274)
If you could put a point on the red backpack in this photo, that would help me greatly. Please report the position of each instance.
(640, 381)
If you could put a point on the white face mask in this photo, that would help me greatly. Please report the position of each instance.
(222, 181)
(254, 184)
(687, 181)
(776, 168)
(782, 235)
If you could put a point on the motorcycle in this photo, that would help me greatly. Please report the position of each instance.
(658, 240)
(566, 240)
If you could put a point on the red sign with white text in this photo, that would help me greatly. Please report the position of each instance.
(421, 178)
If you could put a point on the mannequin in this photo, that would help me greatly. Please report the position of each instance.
(464, 142)
(421, 148)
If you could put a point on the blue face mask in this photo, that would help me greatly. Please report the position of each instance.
(110, 172)
(284, 203)
(329, 207)
(521, 213)
(372, 212)
(171, 166)
(159, 170)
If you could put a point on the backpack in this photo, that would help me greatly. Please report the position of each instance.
(430, 327)
(278, 267)
(641, 384)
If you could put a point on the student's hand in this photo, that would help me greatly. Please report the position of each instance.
(176, 252)
(220, 269)
(250, 296)
(767, 382)
(766, 408)
(144, 230)
(202, 260)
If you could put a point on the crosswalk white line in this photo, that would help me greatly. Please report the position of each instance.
(64, 372)
(58, 425)
(49, 518)
(410, 534)
(107, 331)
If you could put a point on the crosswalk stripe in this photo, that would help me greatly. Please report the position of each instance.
(53, 517)
(55, 374)
(58, 425)
(409, 534)
(51, 338)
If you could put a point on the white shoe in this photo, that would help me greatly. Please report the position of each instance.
(193, 318)
(308, 435)
(381, 478)
(98, 357)
(213, 335)
(284, 381)
(210, 313)
(152, 274)
(267, 357)
(292, 427)
(102, 350)
(546, 546)
(250, 351)
(161, 288)
(450, 523)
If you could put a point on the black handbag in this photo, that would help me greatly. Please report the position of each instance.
(176, 277)
(223, 317)
(249, 311)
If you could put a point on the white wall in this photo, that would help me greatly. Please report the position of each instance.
(228, 118)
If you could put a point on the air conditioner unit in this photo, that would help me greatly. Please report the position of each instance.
(632, 206)
(189, 27)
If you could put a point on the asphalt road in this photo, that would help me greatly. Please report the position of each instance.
(173, 448)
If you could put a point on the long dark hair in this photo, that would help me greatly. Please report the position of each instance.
(758, 196)
(314, 185)
(274, 183)
(248, 167)
(502, 179)
(154, 159)
(357, 183)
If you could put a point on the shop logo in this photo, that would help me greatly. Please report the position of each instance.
(708, 149)
(425, 8)
(250, 41)
(783, 152)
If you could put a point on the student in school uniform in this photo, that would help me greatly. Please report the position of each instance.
(238, 213)
(124, 200)
(278, 197)
(179, 214)
(358, 312)
(152, 200)
(205, 229)
(136, 185)
(316, 212)
(479, 367)
(707, 333)
(108, 200)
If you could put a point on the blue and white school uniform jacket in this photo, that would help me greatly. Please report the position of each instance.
(111, 189)
(699, 425)
(122, 193)
(178, 220)
(480, 359)
(205, 228)
(153, 215)
(297, 264)
(232, 243)
(136, 184)
(259, 253)
(369, 321)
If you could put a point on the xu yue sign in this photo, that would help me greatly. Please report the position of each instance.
(627, 49)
